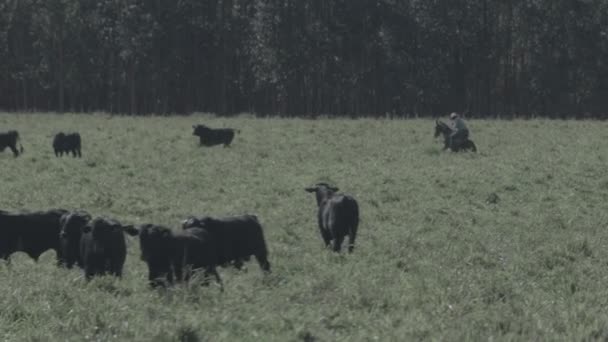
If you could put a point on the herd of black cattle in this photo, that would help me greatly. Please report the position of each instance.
(98, 246)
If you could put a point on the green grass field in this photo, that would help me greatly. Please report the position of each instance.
(506, 244)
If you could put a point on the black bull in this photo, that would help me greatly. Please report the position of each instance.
(30, 232)
(10, 139)
(214, 136)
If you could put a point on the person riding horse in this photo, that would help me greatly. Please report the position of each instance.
(460, 131)
(455, 138)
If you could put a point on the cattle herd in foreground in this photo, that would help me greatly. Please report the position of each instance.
(98, 246)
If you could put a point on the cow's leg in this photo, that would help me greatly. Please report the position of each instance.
(89, 272)
(14, 149)
(351, 239)
(337, 243)
(115, 266)
(177, 269)
(154, 277)
(7, 259)
(213, 270)
(117, 271)
(262, 259)
(79, 154)
(187, 273)
(326, 236)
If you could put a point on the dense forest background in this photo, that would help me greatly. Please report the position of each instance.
(487, 58)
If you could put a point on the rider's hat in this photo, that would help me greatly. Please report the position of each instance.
(453, 115)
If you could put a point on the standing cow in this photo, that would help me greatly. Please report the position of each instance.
(72, 224)
(103, 248)
(237, 238)
(66, 143)
(31, 232)
(176, 255)
(338, 216)
(10, 139)
(213, 136)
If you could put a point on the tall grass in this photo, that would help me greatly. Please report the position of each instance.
(509, 243)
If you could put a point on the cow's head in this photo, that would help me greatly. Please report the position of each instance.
(200, 130)
(104, 229)
(71, 226)
(323, 191)
(198, 222)
(154, 241)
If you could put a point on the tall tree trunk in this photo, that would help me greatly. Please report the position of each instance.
(132, 89)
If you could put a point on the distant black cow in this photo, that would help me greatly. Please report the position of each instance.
(338, 216)
(31, 232)
(10, 139)
(214, 136)
(237, 238)
(170, 253)
(72, 225)
(103, 248)
(66, 143)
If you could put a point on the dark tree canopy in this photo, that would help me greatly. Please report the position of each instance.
(487, 58)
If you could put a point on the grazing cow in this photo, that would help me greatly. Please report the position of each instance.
(103, 248)
(214, 136)
(72, 225)
(66, 143)
(338, 216)
(10, 139)
(33, 233)
(170, 253)
(237, 238)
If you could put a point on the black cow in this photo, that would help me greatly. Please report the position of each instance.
(103, 248)
(170, 253)
(66, 143)
(72, 225)
(237, 238)
(338, 216)
(214, 136)
(31, 232)
(10, 139)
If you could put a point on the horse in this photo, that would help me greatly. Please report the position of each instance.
(446, 131)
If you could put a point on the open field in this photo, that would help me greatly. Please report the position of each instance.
(509, 243)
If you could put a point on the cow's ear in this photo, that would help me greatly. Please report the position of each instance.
(334, 189)
(190, 222)
(186, 223)
(311, 189)
(194, 126)
(63, 220)
(130, 230)
(87, 228)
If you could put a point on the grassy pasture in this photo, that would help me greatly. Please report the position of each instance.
(506, 244)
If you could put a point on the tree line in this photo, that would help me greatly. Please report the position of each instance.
(403, 58)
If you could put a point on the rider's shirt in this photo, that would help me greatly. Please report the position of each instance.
(459, 125)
